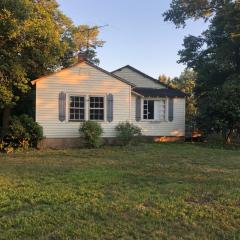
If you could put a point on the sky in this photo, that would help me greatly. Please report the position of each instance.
(137, 34)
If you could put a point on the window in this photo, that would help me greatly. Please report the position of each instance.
(154, 110)
(96, 108)
(148, 109)
(76, 109)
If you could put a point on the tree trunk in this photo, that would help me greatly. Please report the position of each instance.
(229, 136)
(5, 120)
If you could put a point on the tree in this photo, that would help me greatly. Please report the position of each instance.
(86, 41)
(32, 42)
(215, 56)
(182, 10)
(35, 39)
(223, 112)
(164, 79)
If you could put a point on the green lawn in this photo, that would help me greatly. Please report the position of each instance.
(152, 191)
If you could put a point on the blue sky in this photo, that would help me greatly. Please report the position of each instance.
(137, 34)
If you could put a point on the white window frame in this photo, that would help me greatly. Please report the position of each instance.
(104, 107)
(148, 119)
(86, 106)
(165, 107)
(69, 108)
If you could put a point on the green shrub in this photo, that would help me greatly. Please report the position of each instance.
(127, 132)
(91, 132)
(23, 133)
(34, 130)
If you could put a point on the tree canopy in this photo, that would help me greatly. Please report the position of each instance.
(35, 38)
(32, 41)
(164, 79)
(86, 40)
(182, 10)
(215, 56)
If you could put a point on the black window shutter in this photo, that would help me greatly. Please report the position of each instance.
(138, 109)
(170, 109)
(62, 106)
(110, 107)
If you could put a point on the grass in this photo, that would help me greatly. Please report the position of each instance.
(152, 191)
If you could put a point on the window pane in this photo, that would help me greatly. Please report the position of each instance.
(96, 102)
(76, 104)
(71, 101)
(81, 103)
(96, 114)
(150, 109)
(92, 100)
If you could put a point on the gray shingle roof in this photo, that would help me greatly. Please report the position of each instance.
(164, 92)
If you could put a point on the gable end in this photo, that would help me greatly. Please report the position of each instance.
(91, 65)
(142, 74)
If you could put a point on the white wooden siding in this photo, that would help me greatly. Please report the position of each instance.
(137, 79)
(165, 128)
(81, 79)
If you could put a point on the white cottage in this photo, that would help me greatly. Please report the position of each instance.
(88, 92)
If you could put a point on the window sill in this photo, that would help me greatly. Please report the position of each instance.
(154, 121)
(76, 121)
(100, 121)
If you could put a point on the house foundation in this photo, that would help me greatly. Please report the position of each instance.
(64, 143)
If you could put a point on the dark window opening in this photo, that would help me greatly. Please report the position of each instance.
(148, 109)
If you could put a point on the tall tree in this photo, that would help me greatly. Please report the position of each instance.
(215, 56)
(35, 38)
(32, 42)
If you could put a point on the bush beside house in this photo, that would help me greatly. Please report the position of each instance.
(127, 132)
(23, 133)
(91, 131)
